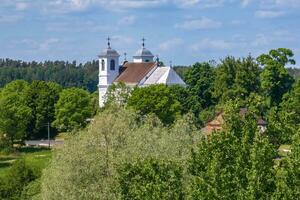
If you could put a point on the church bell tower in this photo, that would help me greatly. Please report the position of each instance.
(108, 70)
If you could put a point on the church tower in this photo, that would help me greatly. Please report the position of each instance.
(143, 55)
(108, 70)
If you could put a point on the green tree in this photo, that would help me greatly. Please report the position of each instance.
(87, 165)
(156, 99)
(199, 78)
(236, 78)
(72, 110)
(14, 113)
(234, 164)
(18, 176)
(151, 179)
(117, 95)
(275, 79)
(41, 98)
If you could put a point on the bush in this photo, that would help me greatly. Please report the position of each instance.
(87, 164)
(151, 179)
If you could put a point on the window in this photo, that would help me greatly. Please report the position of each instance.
(102, 65)
(112, 65)
(147, 60)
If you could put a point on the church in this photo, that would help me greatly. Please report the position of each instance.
(141, 71)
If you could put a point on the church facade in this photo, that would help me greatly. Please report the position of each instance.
(141, 72)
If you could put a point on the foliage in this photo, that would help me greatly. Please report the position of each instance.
(234, 164)
(151, 179)
(236, 78)
(41, 98)
(16, 179)
(87, 164)
(117, 95)
(200, 80)
(275, 79)
(64, 73)
(13, 109)
(156, 99)
(72, 110)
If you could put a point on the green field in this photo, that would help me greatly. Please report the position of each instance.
(36, 158)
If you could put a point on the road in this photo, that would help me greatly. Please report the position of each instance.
(43, 143)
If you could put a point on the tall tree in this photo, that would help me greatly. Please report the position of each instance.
(14, 113)
(72, 110)
(41, 98)
(155, 99)
(275, 79)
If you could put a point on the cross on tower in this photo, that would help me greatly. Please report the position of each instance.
(108, 41)
(125, 56)
(143, 42)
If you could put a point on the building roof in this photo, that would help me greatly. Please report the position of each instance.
(133, 73)
(164, 75)
(108, 52)
(143, 52)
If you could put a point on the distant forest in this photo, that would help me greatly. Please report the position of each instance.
(67, 74)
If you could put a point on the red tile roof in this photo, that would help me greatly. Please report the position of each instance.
(133, 73)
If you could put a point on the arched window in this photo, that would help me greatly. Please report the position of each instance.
(147, 60)
(112, 65)
(102, 65)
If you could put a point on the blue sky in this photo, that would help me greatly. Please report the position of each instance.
(181, 31)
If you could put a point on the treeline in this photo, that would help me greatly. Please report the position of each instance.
(67, 74)
(27, 109)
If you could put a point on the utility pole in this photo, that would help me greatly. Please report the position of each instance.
(49, 145)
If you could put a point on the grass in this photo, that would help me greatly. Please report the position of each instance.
(37, 158)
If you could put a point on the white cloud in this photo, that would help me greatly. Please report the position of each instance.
(127, 20)
(261, 40)
(170, 44)
(203, 23)
(22, 6)
(268, 14)
(245, 3)
(211, 44)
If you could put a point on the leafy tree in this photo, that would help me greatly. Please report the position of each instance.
(200, 78)
(41, 98)
(275, 79)
(118, 95)
(151, 179)
(72, 109)
(156, 99)
(233, 164)
(14, 113)
(236, 78)
(87, 165)
(288, 173)
(18, 176)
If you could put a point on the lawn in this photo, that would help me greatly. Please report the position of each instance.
(37, 158)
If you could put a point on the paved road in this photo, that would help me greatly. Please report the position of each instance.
(43, 143)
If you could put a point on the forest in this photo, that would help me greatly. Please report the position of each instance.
(149, 142)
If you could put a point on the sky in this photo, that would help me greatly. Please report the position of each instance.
(179, 31)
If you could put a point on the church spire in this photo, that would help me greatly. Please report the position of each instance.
(108, 42)
(143, 44)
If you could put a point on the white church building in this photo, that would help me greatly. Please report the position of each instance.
(142, 71)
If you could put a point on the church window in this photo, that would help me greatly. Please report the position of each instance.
(112, 65)
(102, 65)
(147, 60)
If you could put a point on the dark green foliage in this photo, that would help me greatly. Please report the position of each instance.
(275, 79)
(16, 179)
(151, 179)
(156, 99)
(41, 98)
(64, 73)
(73, 109)
(199, 78)
(236, 78)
